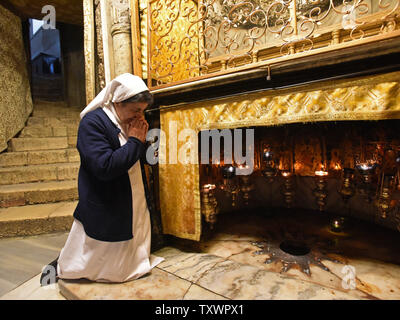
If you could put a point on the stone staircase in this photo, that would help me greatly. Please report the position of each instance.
(38, 173)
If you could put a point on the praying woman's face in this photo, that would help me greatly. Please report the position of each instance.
(127, 111)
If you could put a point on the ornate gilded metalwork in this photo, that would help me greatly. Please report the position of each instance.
(320, 192)
(366, 98)
(209, 204)
(385, 194)
(246, 187)
(196, 39)
(269, 171)
(293, 249)
(230, 184)
(288, 190)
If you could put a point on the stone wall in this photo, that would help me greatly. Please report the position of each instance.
(15, 92)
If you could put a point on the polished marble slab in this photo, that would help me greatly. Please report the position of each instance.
(373, 251)
(189, 266)
(196, 292)
(158, 285)
(375, 278)
(224, 265)
(243, 252)
(245, 282)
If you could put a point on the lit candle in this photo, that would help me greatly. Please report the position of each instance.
(286, 174)
(336, 224)
(366, 166)
(208, 187)
(267, 155)
(243, 167)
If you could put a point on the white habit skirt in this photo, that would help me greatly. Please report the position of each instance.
(85, 257)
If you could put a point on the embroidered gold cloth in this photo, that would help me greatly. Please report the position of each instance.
(363, 98)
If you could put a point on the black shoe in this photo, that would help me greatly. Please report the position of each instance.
(49, 274)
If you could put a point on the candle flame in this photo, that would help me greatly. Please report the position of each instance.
(209, 187)
(286, 173)
(337, 167)
(321, 173)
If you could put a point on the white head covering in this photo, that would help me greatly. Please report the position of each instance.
(121, 88)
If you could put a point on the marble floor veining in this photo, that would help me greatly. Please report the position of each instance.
(363, 264)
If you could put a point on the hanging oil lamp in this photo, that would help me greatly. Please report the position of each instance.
(269, 171)
(366, 188)
(385, 195)
(209, 204)
(366, 165)
(346, 191)
(246, 186)
(286, 167)
(230, 183)
(347, 187)
(321, 178)
(288, 190)
(320, 192)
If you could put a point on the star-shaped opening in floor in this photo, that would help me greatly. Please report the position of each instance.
(295, 249)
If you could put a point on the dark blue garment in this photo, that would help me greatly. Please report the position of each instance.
(105, 194)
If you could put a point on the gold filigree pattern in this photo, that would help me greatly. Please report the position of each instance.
(366, 98)
(174, 40)
(191, 39)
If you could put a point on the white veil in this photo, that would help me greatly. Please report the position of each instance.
(121, 88)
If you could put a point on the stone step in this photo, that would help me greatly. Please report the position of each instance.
(37, 173)
(36, 219)
(30, 144)
(38, 192)
(41, 103)
(11, 159)
(39, 131)
(51, 105)
(52, 121)
(56, 112)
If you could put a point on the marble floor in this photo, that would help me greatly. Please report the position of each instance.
(284, 255)
(22, 258)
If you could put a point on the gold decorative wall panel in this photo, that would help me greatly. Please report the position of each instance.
(15, 91)
(364, 98)
(173, 45)
(192, 40)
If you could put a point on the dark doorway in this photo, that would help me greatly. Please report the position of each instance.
(45, 52)
(57, 63)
